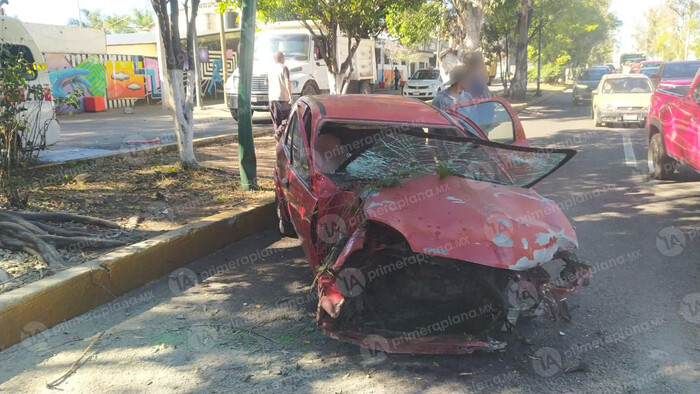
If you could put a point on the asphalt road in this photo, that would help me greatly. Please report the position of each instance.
(250, 327)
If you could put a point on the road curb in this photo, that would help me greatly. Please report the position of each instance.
(198, 143)
(27, 311)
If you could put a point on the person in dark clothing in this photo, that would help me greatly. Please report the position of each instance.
(397, 78)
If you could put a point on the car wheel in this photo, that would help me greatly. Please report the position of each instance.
(285, 227)
(309, 89)
(234, 114)
(596, 118)
(660, 165)
(366, 89)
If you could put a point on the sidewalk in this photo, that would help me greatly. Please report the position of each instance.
(86, 135)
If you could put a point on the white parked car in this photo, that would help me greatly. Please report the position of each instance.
(40, 114)
(423, 84)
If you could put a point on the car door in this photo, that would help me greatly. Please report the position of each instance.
(495, 117)
(685, 115)
(301, 201)
(319, 65)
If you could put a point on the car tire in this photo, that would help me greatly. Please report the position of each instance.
(285, 227)
(365, 88)
(661, 166)
(234, 113)
(596, 118)
(309, 89)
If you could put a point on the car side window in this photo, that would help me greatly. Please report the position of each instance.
(300, 162)
(493, 118)
(696, 94)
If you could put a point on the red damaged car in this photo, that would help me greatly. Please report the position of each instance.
(422, 235)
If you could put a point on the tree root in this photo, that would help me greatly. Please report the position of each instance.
(28, 232)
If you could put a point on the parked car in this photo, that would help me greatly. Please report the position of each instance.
(42, 126)
(406, 217)
(622, 98)
(673, 124)
(586, 82)
(611, 67)
(423, 84)
(675, 74)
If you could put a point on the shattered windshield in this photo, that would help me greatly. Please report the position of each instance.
(387, 157)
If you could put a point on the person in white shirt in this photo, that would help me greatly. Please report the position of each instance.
(279, 93)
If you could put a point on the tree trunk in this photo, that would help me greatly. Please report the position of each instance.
(465, 33)
(518, 86)
(183, 105)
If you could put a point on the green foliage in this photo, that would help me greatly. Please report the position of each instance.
(18, 121)
(415, 24)
(137, 20)
(668, 29)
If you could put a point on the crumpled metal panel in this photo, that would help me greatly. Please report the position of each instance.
(484, 223)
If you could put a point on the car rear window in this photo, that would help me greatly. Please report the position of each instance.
(9, 52)
(626, 85)
(380, 159)
(680, 70)
(592, 74)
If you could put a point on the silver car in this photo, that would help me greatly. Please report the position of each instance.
(423, 84)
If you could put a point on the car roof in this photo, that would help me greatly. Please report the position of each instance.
(682, 62)
(377, 108)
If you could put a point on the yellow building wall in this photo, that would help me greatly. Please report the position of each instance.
(133, 49)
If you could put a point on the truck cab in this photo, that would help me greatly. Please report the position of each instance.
(307, 68)
(673, 129)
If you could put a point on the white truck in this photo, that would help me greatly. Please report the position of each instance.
(308, 71)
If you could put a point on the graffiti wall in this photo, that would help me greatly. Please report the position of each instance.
(120, 79)
(124, 79)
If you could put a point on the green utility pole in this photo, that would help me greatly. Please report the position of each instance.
(246, 148)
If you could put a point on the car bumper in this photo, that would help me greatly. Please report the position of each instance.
(582, 94)
(623, 116)
(419, 94)
(258, 101)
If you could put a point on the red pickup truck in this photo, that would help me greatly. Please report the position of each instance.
(673, 127)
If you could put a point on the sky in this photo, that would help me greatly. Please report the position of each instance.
(57, 12)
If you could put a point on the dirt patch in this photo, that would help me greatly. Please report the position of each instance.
(146, 192)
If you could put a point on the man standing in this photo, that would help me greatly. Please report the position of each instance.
(479, 76)
(455, 90)
(397, 78)
(279, 93)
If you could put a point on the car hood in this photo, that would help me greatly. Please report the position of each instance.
(625, 100)
(590, 84)
(423, 82)
(500, 226)
(676, 81)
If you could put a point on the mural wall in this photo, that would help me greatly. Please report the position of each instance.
(120, 79)
(124, 79)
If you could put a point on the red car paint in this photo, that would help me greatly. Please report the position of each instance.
(446, 221)
(675, 74)
(675, 114)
